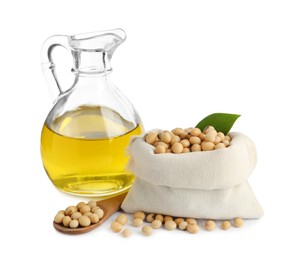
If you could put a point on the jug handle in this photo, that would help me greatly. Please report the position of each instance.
(48, 65)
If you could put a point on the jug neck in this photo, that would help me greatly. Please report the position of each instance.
(91, 62)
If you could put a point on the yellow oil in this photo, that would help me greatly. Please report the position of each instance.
(83, 151)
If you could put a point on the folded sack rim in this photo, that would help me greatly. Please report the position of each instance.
(208, 170)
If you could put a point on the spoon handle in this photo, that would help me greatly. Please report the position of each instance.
(110, 206)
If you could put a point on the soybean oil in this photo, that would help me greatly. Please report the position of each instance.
(83, 151)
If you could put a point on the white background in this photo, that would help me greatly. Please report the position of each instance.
(182, 61)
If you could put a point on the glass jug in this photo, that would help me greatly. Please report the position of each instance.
(85, 135)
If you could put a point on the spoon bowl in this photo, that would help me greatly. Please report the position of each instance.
(109, 207)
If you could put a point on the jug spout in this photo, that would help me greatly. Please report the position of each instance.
(103, 41)
(92, 51)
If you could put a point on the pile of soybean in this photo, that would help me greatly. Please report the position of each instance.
(82, 215)
(187, 140)
(157, 221)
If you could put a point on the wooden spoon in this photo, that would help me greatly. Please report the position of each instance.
(109, 206)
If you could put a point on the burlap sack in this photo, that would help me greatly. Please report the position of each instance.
(209, 185)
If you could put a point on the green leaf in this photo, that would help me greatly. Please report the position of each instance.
(222, 122)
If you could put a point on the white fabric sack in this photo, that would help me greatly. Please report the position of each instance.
(209, 185)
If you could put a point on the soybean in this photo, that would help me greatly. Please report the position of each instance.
(92, 203)
(94, 218)
(147, 230)
(159, 217)
(66, 221)
(74, 223)
(191, 221)
(70, 210)
(177, 148)
(195, 140)
(182, 225)
(167, 218)
(139, 214)
(122, 219)
(238, 222)
(185, 143)
(178, 221)
(116, 227)
(220, 145)
(225, 225)
(94, 209)
(210, 225)
(160, 149)
(177, 131)
(207, 146)
(76, 215)
(84, 221)
(193, 228)
(99, 212)
(59, 218)
(195, 131)
(126, 232)
(156, 224)
(84, 209)
(175, 139)
(196, 148)
(137, 222)
(186, 150)
(79, 205)
(88, 214)
(166, 138)
(151, 137)
(170, 225)
(150, 218)
(226, 142)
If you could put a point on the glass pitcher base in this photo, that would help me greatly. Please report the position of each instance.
(95, 186)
